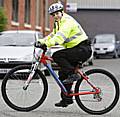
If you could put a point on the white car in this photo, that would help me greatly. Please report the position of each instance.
(16, 48)
(106, 45)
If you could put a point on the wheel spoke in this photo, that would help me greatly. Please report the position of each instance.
(18, 98)
(105, 100)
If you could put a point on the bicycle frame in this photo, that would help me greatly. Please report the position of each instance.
(91, 94)
(44, 59)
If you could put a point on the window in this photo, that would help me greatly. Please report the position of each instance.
(15, 10)
(27, 12)
(37, 12)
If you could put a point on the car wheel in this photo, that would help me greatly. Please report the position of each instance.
(115, 54)
(2, 76)
(90, 62)
(97, 57)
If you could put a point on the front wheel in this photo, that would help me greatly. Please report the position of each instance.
(16, 96)
(104, 101)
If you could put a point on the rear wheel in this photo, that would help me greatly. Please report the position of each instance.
(16, 96)
(104, 101)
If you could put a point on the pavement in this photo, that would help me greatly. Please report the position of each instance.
(47, 109)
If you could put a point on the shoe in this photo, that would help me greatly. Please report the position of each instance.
(71, 79)
(63, 103)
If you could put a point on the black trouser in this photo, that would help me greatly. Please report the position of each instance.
(68, 58)
(62, 77)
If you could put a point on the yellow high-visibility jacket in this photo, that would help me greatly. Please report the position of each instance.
(67, 32)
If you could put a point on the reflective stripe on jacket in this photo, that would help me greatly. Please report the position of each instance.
(68, 34)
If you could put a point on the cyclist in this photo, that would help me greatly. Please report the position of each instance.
(68, 33)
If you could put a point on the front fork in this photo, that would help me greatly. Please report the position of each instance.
(33, 69)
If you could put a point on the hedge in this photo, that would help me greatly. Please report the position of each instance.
(3, 20)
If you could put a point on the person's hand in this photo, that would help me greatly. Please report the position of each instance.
(39, 45)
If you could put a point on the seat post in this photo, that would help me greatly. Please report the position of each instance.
(78, 66)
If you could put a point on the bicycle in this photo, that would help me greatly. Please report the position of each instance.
(96, 92)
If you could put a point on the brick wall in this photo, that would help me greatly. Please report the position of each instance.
(20, 25)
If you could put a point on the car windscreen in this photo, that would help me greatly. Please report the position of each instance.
(17, 39)
(105, 39)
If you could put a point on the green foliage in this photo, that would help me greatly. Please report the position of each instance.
(3, 20)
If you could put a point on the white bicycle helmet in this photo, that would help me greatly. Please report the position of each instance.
(55, 7)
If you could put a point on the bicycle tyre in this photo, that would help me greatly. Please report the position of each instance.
(7, 79)
(114, 101)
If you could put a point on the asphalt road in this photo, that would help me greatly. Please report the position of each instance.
(49, 110)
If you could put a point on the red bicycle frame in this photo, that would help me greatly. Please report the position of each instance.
(44, 58)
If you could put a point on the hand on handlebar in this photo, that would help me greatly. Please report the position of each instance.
(39, 45)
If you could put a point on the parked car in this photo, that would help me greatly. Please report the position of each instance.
(106, 44)
(16, 48)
